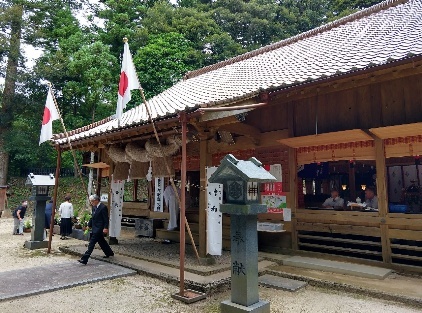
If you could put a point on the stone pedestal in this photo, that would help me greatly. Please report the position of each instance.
(259, 307)
(244, 259)
(38, 224)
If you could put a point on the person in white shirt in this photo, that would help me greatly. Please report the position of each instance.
(335, 201)
(371, 199)
(66, 214)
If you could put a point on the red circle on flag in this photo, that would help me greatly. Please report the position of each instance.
(123, 83)
(47, 116)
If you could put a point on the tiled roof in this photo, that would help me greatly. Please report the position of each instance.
(384, 33)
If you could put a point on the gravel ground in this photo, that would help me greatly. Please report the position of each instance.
(144, 294)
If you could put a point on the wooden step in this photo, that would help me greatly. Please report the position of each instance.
(194, 228)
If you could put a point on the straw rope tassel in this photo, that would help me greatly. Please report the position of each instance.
(168, 170)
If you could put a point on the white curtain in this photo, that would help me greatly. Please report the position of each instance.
(116, 210)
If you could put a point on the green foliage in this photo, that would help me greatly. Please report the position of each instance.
(67, 185)
(167, 40)
(84, 218)
(27, 224)
(163, 61)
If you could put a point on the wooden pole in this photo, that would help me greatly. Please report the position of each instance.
(382, 198)
(56, 187)
(204, 162)
(68, 141)
(292, 199)
(182, 207)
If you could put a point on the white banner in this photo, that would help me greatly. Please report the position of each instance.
(276, 171)
(116, 210)
(159, 190)
(214, 216)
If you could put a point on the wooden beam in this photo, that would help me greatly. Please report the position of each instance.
(382, 197)
(340, 229)
(268, 139)
(246, 130)
(292, 198)
(205, 160)
(353, 135)
(215, 124)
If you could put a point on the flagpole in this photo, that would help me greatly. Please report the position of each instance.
(68, 141)
(59, 164)
(56, 187)
(183, 221)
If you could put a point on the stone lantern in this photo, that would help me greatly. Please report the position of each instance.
(40, 188)
(241, 182)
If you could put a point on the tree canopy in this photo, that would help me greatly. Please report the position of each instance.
(81, 57)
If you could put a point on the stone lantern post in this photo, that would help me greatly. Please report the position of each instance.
(40, 188)
(241, 181)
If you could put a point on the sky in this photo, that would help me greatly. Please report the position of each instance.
(31, 53)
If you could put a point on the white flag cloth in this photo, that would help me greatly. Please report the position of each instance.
(50, 114)
(116, 209)
(128, 81)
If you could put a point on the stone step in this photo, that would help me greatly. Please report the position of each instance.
(174, 235)
(281, 283)
(338, 267)
(194, 228)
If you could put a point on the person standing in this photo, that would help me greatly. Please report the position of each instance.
(99, 224)
(18, 216)
(66, 213)
(48, 213)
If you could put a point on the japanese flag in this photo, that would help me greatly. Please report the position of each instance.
(128, 81)
(50, 114)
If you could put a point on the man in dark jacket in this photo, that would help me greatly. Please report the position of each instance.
(99, 228)
(18, 215)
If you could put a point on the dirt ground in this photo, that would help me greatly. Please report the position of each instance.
(144, 294)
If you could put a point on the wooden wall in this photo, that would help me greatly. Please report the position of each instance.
(269, 118)
(388, 103)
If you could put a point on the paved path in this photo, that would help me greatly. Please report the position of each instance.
(41, 279)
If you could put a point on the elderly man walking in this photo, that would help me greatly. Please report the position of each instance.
(99, 225)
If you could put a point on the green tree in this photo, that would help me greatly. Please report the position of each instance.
(163, 61)
(24, 20)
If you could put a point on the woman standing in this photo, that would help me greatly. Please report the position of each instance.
(66, 213)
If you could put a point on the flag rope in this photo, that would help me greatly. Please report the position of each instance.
(168, 169)
(160, 147)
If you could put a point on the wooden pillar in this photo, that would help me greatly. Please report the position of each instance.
(352, 182)
(99, 174)
(205, 160)
(292, 197)
(382, 198)
(135, 190)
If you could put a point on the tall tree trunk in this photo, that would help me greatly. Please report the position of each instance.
(9, 86)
